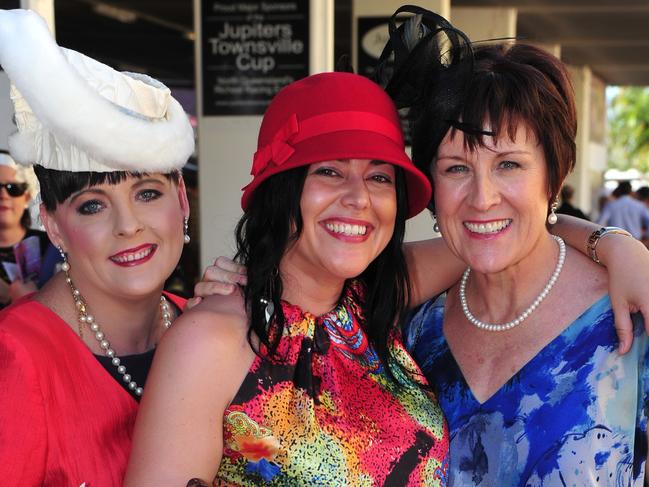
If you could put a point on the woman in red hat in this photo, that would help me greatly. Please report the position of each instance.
(310, 383)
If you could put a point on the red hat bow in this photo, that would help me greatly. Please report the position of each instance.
(279, 150)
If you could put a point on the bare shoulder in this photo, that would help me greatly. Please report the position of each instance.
(585, 274)
(198, 368)
(217, 326)
(208, 339)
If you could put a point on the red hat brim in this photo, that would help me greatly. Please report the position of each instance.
(348, 145)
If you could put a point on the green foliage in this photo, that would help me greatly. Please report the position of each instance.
(628, 117)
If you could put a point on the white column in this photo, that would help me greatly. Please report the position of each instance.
(45, 8)
(591, 148)
(227, 143)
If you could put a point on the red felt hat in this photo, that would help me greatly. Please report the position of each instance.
(331, 116)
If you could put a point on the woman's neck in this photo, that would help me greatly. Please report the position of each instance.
(11, 236)
(501, 296)
(315, 294)
(131, 325)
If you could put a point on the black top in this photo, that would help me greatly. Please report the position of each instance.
(568, 209)
(137, 366)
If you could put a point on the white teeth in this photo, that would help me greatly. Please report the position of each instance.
(491, 227)
(346, 229)
(131, 257)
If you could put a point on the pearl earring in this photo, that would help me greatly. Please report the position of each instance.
(435, 224)
(65, 266)
(552, 217)
(186, 236)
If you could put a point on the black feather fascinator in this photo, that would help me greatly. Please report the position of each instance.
(426, 68)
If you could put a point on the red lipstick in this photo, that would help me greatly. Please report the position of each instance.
(134, 256)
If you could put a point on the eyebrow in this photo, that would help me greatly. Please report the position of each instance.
(143, 181)
(375, 162)
(84, 191)
(501, 154)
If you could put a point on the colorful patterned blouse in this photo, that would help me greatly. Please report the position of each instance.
(328, 414)
(574, 415)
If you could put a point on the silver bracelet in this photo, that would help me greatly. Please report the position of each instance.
(593, 240)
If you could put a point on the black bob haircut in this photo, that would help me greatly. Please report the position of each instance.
(58, 186)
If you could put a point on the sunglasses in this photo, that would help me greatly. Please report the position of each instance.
(14, 189)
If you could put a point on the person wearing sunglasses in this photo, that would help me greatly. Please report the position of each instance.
(18, 185)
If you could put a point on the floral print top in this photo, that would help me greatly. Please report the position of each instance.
(327, 413)
(574, 415)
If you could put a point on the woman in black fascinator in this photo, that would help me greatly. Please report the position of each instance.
(522, 351)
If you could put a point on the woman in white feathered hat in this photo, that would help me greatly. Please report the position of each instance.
(107, 149)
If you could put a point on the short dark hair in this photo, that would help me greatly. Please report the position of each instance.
(643, 193)
(623, 188)
(566, 192)
(518, 83)
(57, 186)
(273, 222)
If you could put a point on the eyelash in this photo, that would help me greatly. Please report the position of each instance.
(506, 164)
(382, 178)
(510, 164)
(154, 194)
(92, 207)
(89, 207)
(327, 171)
(456, 169)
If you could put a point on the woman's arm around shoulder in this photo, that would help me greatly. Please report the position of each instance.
(198, 368)
(627, 262)
(432, 268)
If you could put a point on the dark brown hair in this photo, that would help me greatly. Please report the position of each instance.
(518, 83)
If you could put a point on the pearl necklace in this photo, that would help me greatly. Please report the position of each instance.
(517, 321)
(84, 317)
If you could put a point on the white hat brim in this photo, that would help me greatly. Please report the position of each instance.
(81, 121)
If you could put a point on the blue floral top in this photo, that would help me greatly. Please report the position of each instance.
(575, 415)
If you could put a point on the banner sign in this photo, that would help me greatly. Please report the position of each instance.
(250, 51)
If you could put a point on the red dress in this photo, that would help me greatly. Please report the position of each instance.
(64, 421)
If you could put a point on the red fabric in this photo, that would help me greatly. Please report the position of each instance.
(329, 116)
(63, 419)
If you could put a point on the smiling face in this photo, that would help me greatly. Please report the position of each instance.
(123, 239)
(492, 202)
(11, 208)
(348, 212)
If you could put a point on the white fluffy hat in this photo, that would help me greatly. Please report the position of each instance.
(76, 114)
